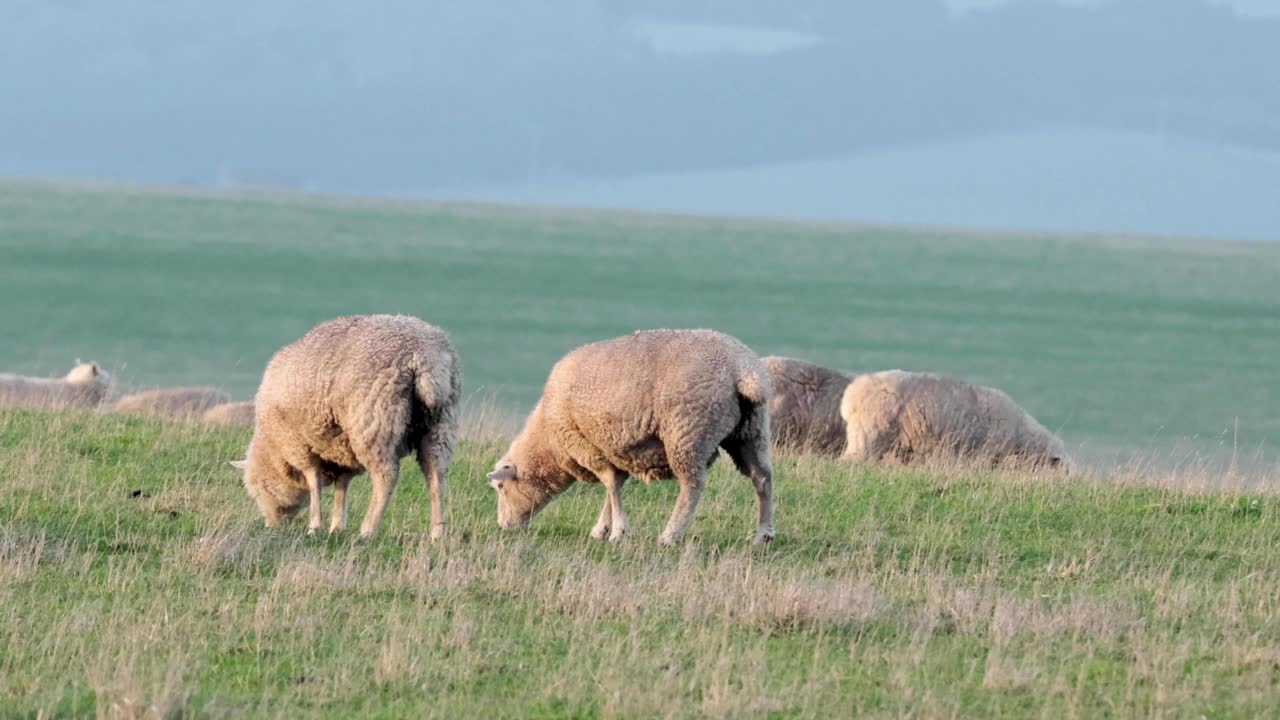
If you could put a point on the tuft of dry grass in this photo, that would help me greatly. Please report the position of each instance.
(484, 421)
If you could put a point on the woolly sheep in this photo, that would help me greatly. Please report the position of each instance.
(354, 394)
(907, 416)
(655, 404)
(84, 387)
(804, 412)
(180, 403)
(232, 413)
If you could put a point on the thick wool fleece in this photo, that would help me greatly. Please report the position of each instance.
(654, 404)
(906, 416)
(231, 413)
(804, 413)
(181, 403)
(354, 394)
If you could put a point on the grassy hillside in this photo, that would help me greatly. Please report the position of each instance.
(135, 579)
(1116, 343)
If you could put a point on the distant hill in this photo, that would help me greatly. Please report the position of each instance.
(1062, 180)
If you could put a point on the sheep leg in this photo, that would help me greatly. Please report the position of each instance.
(434, 454)
(755, 464)
(384, 475)
(613, 482)
(762, 478)
(314, 519)
(338, 522)
(438, 489)
(434, 474)
(691, 484)
(604, 520)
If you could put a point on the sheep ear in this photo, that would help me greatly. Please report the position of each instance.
(506, 472)
(94, 368)
(240, 464)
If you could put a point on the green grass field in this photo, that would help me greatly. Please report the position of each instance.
(136, 581)
(1122, 345)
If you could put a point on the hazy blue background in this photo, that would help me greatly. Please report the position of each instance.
(1157, 116)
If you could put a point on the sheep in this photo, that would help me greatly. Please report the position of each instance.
(905, 416)
(231, 413)
(179, 403)
(84, 387)
(804, 412)
(354, 394)
(655, 404)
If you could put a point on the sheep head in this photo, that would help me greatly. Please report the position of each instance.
(86, 372)
(278, 500)
(519, 498)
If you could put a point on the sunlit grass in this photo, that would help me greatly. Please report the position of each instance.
(136, 580)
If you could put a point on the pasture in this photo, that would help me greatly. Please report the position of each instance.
(1160, 349)
(136, 579)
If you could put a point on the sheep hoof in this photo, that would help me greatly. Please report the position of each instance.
(616, 537)
(764, 536)
(600, 532)
(312, 530)
(437, 532)
(668, 540)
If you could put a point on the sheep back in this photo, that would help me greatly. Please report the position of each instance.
(804, 412)
(646, 401)
(179, 403)
(912, 415)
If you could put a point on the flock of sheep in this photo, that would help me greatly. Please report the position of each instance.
(357, 394)
(88, 387)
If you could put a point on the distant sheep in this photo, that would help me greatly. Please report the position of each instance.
(804, 412)
(354, 394)
(908, 416)
(84, 387)
(655, 404)
(232, 413)
(179, 403)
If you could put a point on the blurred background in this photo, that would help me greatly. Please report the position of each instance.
(943, 156)
(1151, 116)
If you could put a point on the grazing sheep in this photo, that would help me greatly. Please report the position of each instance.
(84, 387)
(907, 416)
(232, 413)
(804, 412)
(655, 404)
(354, 394)
(180, 403)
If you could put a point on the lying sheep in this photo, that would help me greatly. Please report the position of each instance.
(804, 412)
(231, 413)
(354, 394)
(180, 403)
(906, 416)
(654, 404)
(84, 387)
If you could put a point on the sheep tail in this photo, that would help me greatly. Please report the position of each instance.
(434, 380)
(753, 383)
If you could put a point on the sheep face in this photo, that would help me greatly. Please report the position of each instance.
(1062, 463)
(279, 502)
(1056, 457)
(1052, 459)
(518, 499)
